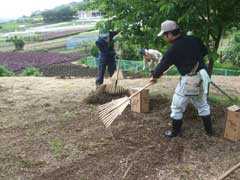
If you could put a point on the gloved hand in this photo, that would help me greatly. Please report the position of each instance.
(153, 80)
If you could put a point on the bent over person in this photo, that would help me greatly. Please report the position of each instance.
(186, 53)
(107, 54)
(151, 57)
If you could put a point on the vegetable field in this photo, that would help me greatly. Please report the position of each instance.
(16, 61)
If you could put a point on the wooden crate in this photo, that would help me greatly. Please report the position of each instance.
(140, 102)
(232, 124)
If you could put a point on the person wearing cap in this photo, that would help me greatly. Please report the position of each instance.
(186, 53)
(151, 58)
(106, 58)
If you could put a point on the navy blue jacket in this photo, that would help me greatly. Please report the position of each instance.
(106, 49)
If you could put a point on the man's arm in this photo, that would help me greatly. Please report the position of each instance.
(144, 63)
(166, 62)
(159, 57)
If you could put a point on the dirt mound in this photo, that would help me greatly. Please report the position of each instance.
(101, 97)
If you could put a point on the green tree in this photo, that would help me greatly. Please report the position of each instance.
(18, 43)
(140, 20)
(232, 52)
(58, 15)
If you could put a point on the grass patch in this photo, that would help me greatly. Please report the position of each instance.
(222, 100)
(226, 65)
(56, 147)
(31, 164)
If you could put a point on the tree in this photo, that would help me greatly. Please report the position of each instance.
(140, 20)
(18, 43)
(232, 52)
(58, 15)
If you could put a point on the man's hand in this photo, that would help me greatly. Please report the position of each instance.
(153, 80)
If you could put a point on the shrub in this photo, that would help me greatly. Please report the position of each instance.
(232, 53)
(5, 72)
(18, 43)
(94, 51)
(130, 51)
(31, 71)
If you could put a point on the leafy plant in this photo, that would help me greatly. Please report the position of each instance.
(94, 51)
(5, 72)
(18, 43)
(31, 71)
(232, 53)
(130, 51)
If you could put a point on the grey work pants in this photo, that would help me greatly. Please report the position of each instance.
(180, 102)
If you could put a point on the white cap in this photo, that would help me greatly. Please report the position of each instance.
(104, 35)
(167, 26)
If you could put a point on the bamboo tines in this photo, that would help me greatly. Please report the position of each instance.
(109, 112)
(114, 114)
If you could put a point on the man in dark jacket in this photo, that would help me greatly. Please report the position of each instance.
(186, 53)
(107, 54)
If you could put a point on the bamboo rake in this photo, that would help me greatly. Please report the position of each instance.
(110, 111)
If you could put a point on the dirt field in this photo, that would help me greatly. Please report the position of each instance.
(47, 132)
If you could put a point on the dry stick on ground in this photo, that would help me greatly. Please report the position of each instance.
(126, 172)
(228, 172)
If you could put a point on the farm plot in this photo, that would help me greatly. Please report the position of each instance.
(17, 61)
(48, 133)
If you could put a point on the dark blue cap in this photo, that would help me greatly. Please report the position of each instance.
(142, 51)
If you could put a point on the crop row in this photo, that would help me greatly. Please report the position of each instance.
(16, 61)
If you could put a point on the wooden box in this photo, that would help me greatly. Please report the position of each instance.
(232, 124)
(140, 102)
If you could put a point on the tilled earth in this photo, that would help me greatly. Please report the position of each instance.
(48, 132)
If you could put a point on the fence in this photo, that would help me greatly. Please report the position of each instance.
(137, 66)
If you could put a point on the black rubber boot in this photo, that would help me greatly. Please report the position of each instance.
(207, 123)
(176, 128)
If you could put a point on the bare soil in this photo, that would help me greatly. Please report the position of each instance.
(48, 132)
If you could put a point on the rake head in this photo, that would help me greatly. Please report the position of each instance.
(111, 89)
(110, 111)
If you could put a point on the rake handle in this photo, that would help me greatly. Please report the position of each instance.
(149, 84)
(118, 69)
(223, 92)
(140, 90)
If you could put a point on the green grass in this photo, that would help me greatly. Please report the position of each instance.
(226, 66)
(222, 100)
(56, 146)
(10, 26)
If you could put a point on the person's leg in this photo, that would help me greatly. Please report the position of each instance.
(201, 104)
(101, 71)
(152, 71)
(178, 106)
(111, 66)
